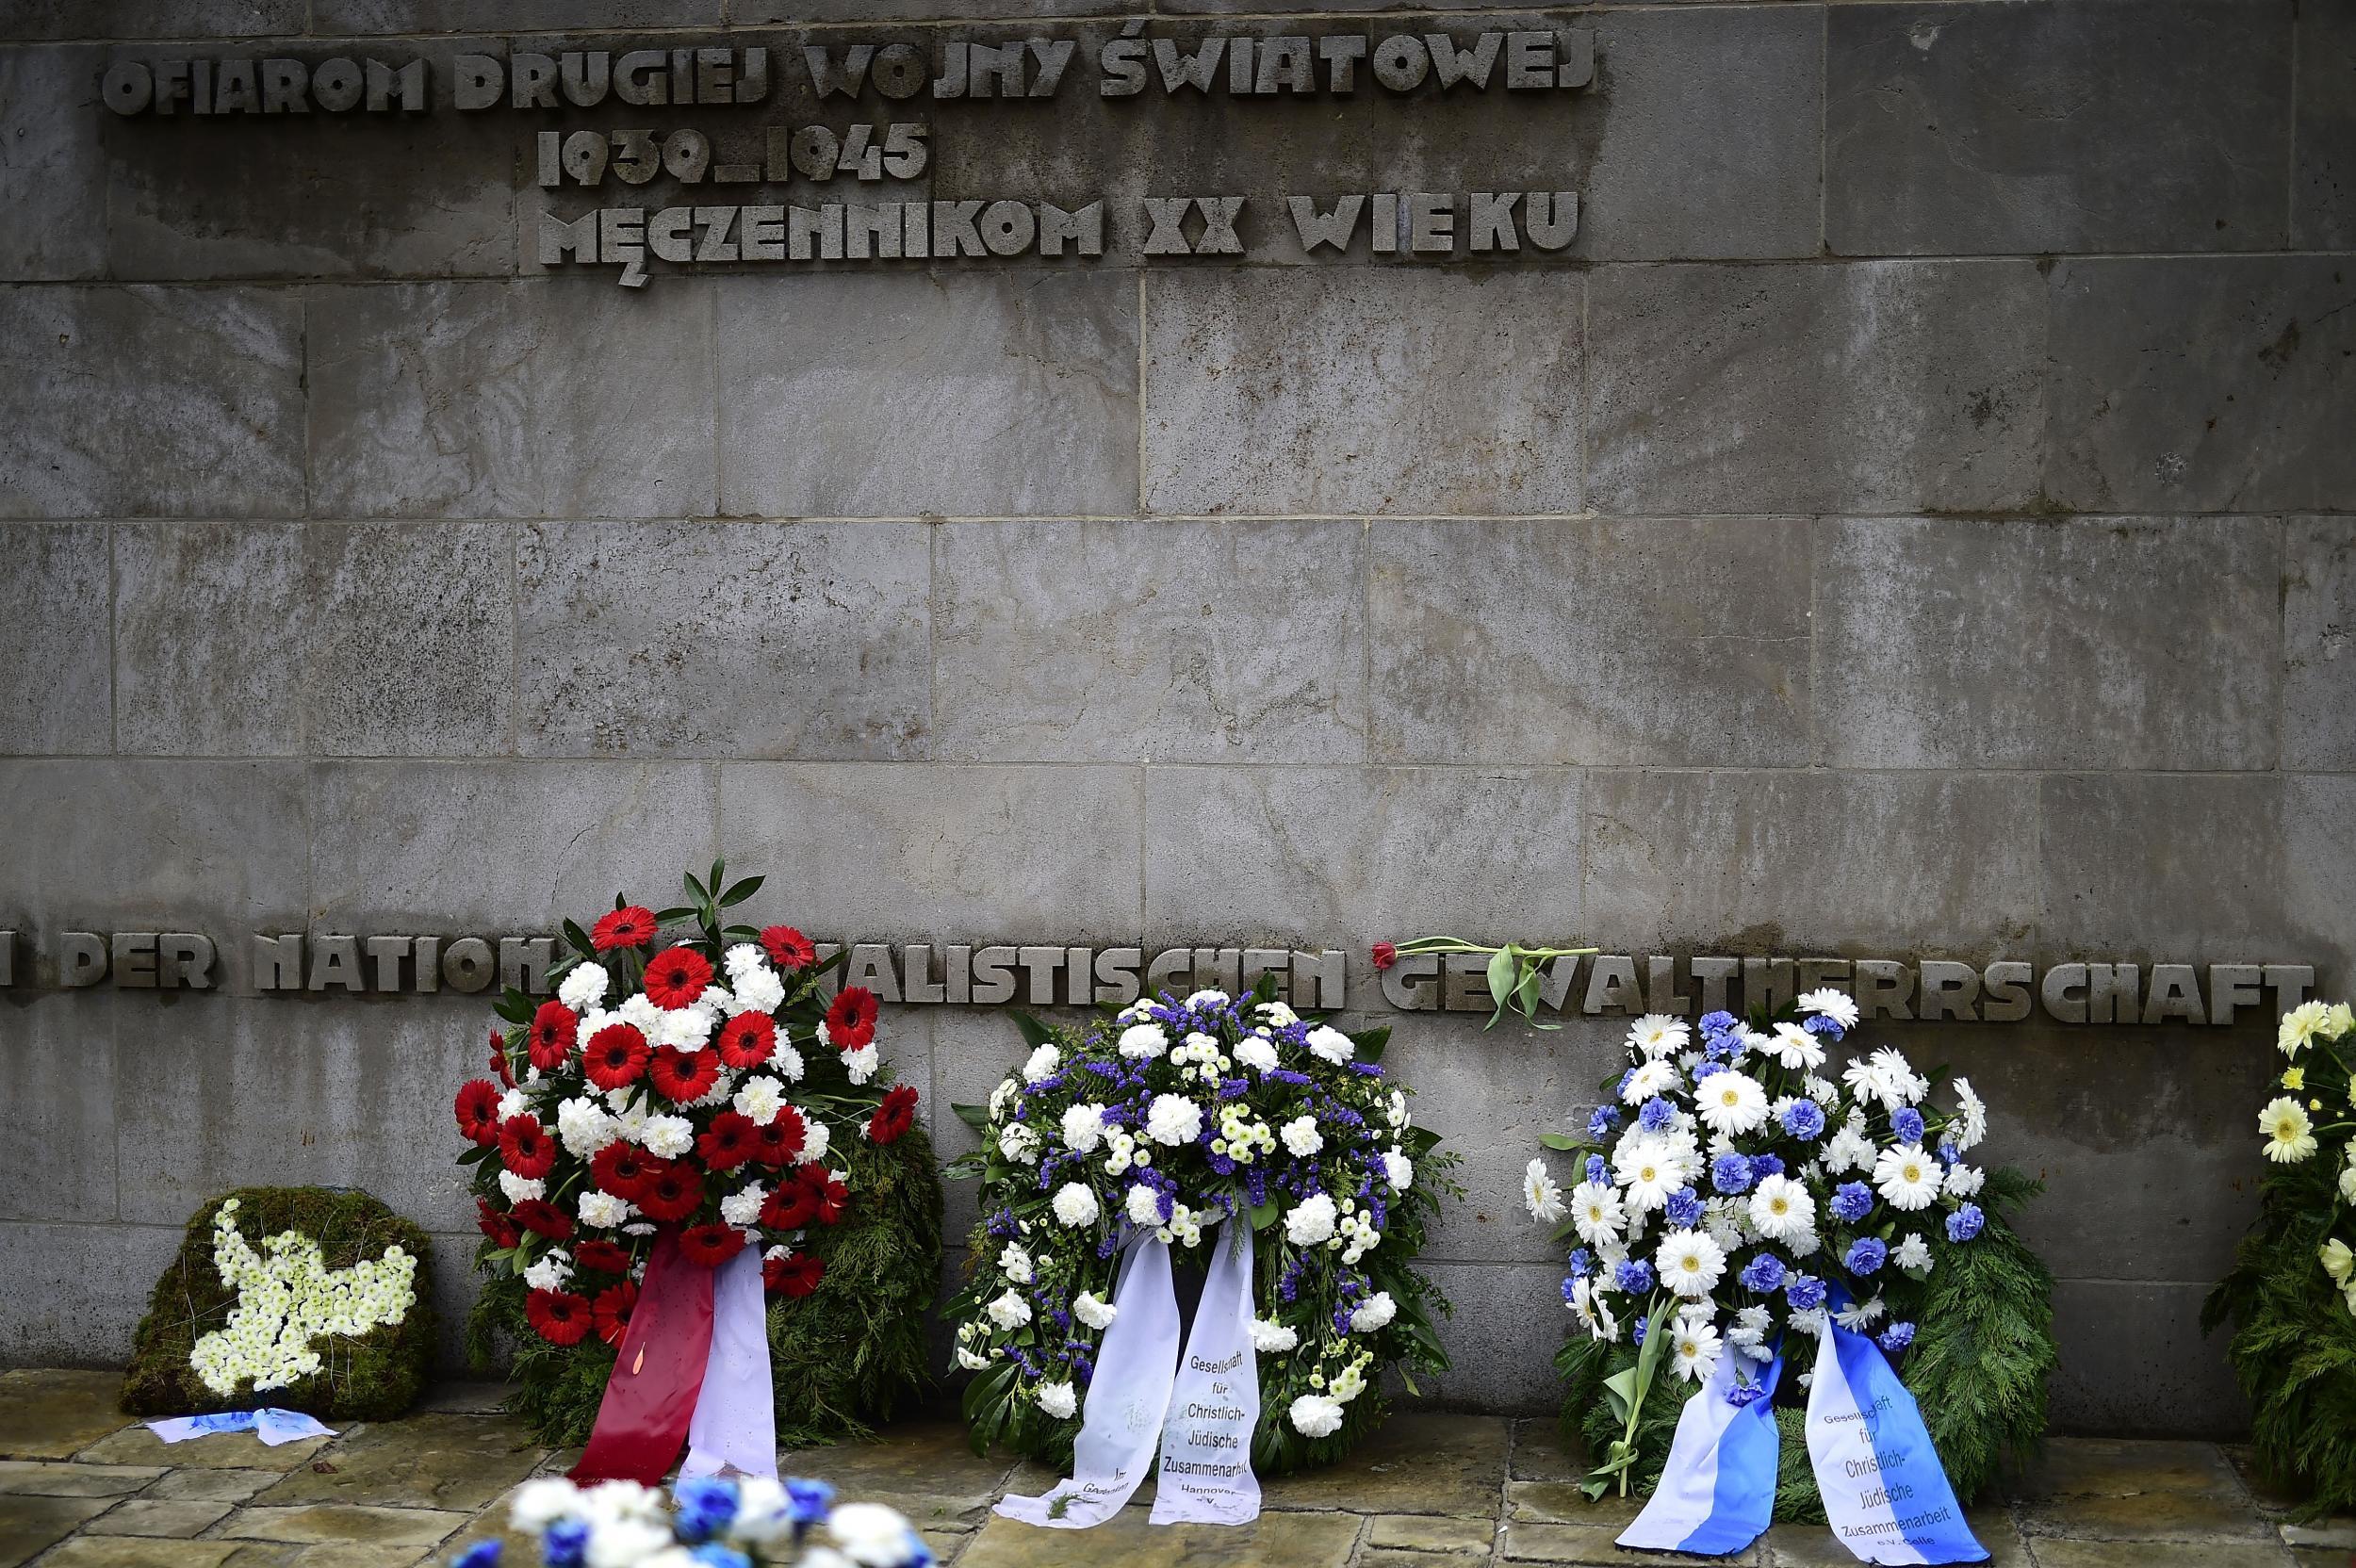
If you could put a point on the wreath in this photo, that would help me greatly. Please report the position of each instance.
(310, 1298)
(1174, 1116)
(702, 1087)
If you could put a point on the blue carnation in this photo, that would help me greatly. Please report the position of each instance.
(1764, 1166)
(1817, 1024)
(565, 1543)
(1896, 1337)
(1719, 1022)
(1625, 1078)
(1805, 1292)
(483, 1554)
(1906, 1122)
(1656, 1116)
(1684, 1208)
(1804, 1120)
(1634, 1276)
(1719, 1048)
(1948, 1154)
(706, 1505)
(1640, 1330)
(1606, 1120)
(1965, 1222)
(1582, 1262)
(1596, 1169)
(1852, 1201)
(713, 1555)
(1867, 1256)
(1705, 1069)
(808, 1501)
(1764, 1274)
(1570, 1284)
(1730, 1173)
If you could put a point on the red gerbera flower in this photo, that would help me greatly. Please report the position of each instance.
(747, 1041)
(492, 1223)
(787, 948)
(525, 1147)
(602, 1257)
(790, 1208)
(894, 1117)
(479, 1111)
(795, 1274)
(729, 1141)
(775, 1144)
(553, 1028)
(617, 1056)
(710, 1245)
(674, 1191)
(851, 1021)
(498, 1060)
(827, 1190)
(561, 1317)
(681, 1075)
(675, 977)
(544, 1219)
(632, 925)
(623, 1170)
(611, 1312)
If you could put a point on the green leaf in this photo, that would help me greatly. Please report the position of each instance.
(696, 888)
(1373, 1042)
(976, 1117)
(1560, 1140)
(1620, 1388)
(1500, 980)
(742, 892)
(1035, 1033)
(1264, 1215)
(664, 917)
(580, 939)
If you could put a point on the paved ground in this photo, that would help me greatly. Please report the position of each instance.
(82, 1487)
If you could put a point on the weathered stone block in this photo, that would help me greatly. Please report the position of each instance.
(2319, 846)
(327, 638)
(1774, 862)
(152, 18)
(1880, 386)
(2110, 643)
(59, 696)
(2202, 384)
(60, 1163)
(2056, 127)
(53, 176)
(1316, 855)
(502, 847)
(68, 1304)
(1416, 1462)
(2323, 142)
(1183, 642)
(1497, 1363)
(882, 852)
(1019, 396)
(2319, 642)
(2135, 1363)
(1299, 390)
(549, 397)
(147, 402)
(329, 17)
(725, 639)
(1679, 643)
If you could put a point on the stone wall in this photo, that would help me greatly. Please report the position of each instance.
(1914, 515)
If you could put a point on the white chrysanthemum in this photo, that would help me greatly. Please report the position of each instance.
(1730, 1102)
(1963, 1181)
(1172, 1120)
(742, 1208)
(1076, 1204)
(582, 988)
(1315, 1415)
(1083, 1127)
(1906, 1177)
(521, 1188)
(1587, 1304)
(1301, 1137)
(1646, 1079)
(1541, 1195)
(1693, 1351)
(1310, 1222)
(1781, 1208)
(1018, 1143)
(1256, 1052)
(1014, 1262)
(1690, 1262)
(1969, 1125)
(551, 1271)
(583, 1126)
(1823, 1092)
(1143, 1042)
(1373, 1313)
(760, 1099)
(1728, 1221)
(1043, 1063)
(1598, 1213)
(1837, 1005)
(1329, 1044)
(1860, 1315)
(1644, 1167)
(1848, 1150)
(1272, 1338)
(602, 1211)
(1658, 1035)
(1009, 1310)
(815, 1139)
(862, 1064)
(2290, 1136)
(1095, 1313)
(1398, 1169)
(1347, 1383)
(1059, 1399)
(1795, 1048)
(1913, 1255)
(1750, 1042)
(1279, 1014)
(1144, 1206)
(1750, 1326)
(667, 1136)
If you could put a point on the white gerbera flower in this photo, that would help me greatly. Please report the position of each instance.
(1174, 1119)
(1076, 1204)
(1906, 1177)
(1837, 1005)
(1083, 1127)
(1782, 1209)
(1795, 1048)
(1329, 1044)
(1597, 1210)
(1271, 1338)
(1315, 1415)
(1658, 1035)
(2290, 1136)
(1541, 1195)
(1143, 1042)
(1059, 1399)
(1594, 1314)
(1970, 1123)
(1859, 1315)
(1730, 1102)
(1095, 1313)
(1647, 1078)
(1645, 1167)
(1695, 1351)
(1690, 1262)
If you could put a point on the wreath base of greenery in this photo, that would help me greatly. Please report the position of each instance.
(840, 1358)
(1978, 1368)
(373, 1378)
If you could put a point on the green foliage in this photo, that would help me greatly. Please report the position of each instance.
(839, 1359)
(2294, 1344)
(1983, 1351)
(373, 1378)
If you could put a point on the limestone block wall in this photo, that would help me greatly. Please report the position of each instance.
(1916, 515)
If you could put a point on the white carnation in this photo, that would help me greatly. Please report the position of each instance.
(667, 1136)
(602, 1211)
(1174, 1119)
(521, 1188)
(582, 988)
(1042, 1064)
(1301, 1137)
(761, 1099)
(583, 1126)
(1399, 1169)
(1009, 1310)
(1373, 1313)
(1076, 1204)
(1256, 1052)
(1057, 1399)
(1205, 998)
(1096, 1314)
(1329, 1044)
(1271, 1338)
(1315, 1415)
(1018, 1143)
(1083, 1127)
(1014, 1262)
(815, 1140)
(1311, 1221)
(1144, 1206)
(862, 1064)
(742, 1207)
(1143, 1042)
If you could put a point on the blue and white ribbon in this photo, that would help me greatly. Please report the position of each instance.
(1718, 1493)
(1884, 1492)
(270, 1423)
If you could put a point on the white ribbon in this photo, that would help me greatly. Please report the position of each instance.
(270, 1423)
(1886, 1495)
(734, 1429)
(1205, 1435)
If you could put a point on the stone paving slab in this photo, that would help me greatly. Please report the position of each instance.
(160, 1517)
(347, 1523)
(432, 1460)
(215, 1450)
(1272, 1540)
(29, 1523)
(53, 1414)
(56, 1478)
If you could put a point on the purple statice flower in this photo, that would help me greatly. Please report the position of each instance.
(1805, 1292)
(1596, 1169)
(1287, 1076)
(1764, 1166)
(1730, 1173)
(1896, 1337)
(1604, 1122)
(1634, 1276)
(1656, 1115)
(1684, 1208)
(1365, 1070)
(1002, 1224)
(1965, 1222)
(1867, 1255)
(1234, 1088)
(1804, 1120)
(1906, 1122)
(1707, 1070)
(1852, 1201)
(1817, 1024)
(1764, 1273)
